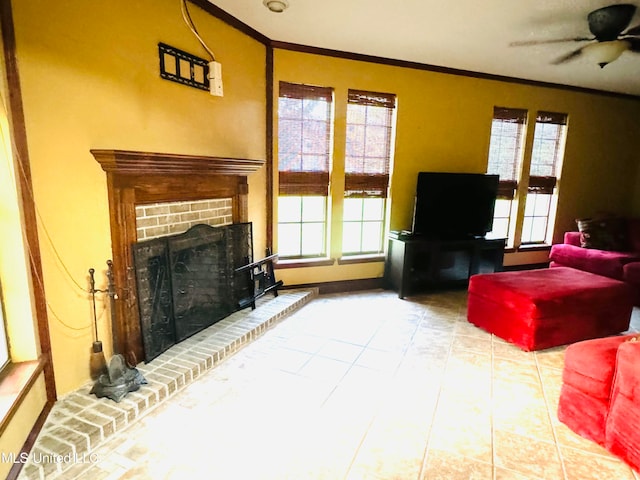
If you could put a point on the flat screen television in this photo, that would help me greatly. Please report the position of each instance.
(454, 205)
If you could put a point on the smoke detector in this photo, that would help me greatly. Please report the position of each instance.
(277, 6)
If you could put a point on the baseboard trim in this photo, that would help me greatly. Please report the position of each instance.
(529, 266)
(342, 286)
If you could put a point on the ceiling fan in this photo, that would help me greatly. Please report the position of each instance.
(609, 40)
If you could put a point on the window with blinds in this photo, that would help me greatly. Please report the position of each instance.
(304, 151)
(304, 139)
(506, 152)
(508, 130)
(546, 159)
(369, 148)
(548, 148)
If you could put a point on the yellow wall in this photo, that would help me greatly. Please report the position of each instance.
(90, 79)
(16, 433)
(443, 124)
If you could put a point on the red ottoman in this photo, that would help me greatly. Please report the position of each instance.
(537, 309)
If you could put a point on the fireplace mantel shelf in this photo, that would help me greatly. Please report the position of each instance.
(124, 162)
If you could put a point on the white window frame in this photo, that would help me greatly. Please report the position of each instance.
(544, 175)
(505, 158)
(367, 168)
(304, 169)
(4, 340)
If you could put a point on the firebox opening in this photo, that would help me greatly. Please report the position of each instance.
(189, 281)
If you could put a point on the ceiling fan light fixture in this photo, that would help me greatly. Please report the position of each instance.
(604, 53)
(277, 6)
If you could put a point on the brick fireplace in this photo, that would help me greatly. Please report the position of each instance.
(136, 180)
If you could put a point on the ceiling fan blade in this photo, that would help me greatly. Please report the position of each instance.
(608, 22)
(569, 56)
(527, 43)
(635, 31)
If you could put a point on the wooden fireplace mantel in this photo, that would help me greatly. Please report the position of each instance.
(137, 178)
(124, 162)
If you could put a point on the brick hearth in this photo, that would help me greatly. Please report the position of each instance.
(79, 422)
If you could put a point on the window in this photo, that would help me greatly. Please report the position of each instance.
(7, 202)
(370, 121)
(508, 130)
(506, 158)
(4, 350)
(546, 158)
(304, 152)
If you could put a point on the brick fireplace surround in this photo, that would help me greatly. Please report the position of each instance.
(168, 218)
(136, 179)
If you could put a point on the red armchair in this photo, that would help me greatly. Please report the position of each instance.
(622, 435)
(600, 396)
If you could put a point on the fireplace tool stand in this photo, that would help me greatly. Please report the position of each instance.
(118, 378)
(97, 362)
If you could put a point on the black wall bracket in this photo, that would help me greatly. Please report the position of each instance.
(182, 67)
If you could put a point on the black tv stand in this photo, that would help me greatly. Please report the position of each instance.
(419, 263)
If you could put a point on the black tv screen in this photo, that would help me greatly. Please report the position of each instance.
(454, 205)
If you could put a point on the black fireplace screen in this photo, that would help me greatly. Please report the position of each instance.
(188, 282)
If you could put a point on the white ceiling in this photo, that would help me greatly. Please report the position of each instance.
(469, 35)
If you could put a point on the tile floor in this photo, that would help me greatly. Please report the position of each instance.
(364, 386)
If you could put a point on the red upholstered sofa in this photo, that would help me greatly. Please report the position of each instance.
(620, 260)
(600, 396)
